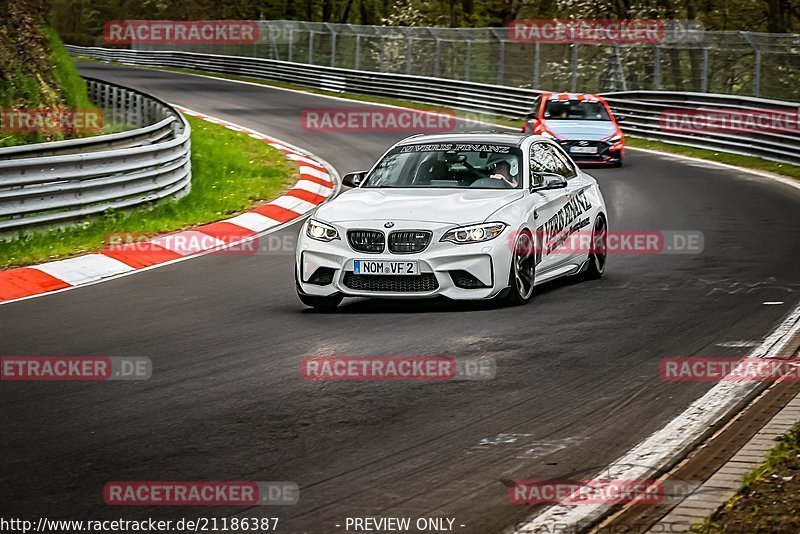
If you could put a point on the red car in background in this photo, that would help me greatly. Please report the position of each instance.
(581, 123)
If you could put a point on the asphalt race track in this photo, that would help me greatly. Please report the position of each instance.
(577, 369)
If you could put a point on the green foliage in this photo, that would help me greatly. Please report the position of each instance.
(81, 21)
(35, 69)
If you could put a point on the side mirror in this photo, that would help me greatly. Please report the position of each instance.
(354, 179)
(549, 180)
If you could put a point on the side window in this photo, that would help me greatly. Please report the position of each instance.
(539, 156)
(563, 163)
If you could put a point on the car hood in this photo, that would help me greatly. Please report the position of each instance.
(425, 205)
(582, 130)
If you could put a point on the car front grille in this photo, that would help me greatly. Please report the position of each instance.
(370, 241)
(422, 283)
(409, 242)
(602, 148)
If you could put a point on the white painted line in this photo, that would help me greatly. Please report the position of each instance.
(303, 159)
(773, 302)
(316, 173)
(313, 187)
(253, 221)
(738, 344)
(188, 242)
(668, 444)
(83, 269)
(293, 203)
(279, 146)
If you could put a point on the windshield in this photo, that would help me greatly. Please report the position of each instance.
(576, 110)
(453, 165)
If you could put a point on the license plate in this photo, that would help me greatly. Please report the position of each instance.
(583, 149)
(367, 267)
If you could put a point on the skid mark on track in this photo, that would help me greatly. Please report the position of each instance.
(522, 445)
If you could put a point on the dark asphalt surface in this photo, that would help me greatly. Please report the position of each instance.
(577, 370)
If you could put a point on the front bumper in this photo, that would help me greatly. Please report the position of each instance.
(460, 272)
(607, 153)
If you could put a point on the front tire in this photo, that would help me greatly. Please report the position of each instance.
(599, 251)
(523, 271)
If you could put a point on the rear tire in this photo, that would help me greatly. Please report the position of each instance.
(599, 252)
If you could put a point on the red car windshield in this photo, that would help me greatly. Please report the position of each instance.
(576, 110)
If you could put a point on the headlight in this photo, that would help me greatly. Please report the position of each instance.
(615, 139)
(474, 233)
(321, 231)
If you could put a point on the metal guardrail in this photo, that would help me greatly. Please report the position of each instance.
(641, 109)
(60, 181)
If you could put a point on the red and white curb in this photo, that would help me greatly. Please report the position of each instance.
(318, 183)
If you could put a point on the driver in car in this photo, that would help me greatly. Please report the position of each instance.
(501, 170)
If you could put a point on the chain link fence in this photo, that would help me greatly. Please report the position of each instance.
(740, 63)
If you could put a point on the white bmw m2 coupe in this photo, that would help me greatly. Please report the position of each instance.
(464, 216)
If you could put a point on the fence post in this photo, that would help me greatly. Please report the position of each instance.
(757, 67)
(311, 47)
(409, 55)
(704, 80)
(333, 44)
(657, 69)
(574, 84)
(291, 44)
(468, 61)
(501, 61)
(358, 51)
(537, 58)
(437, 57)
(383, 47)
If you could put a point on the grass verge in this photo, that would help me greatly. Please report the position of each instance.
(770, 495)
(747, 162)
(61, 87)
(231, 172)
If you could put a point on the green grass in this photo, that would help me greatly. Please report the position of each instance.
(786, 450)
(28, 90)
(231, 172)
(747, 162)
(787, 444)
